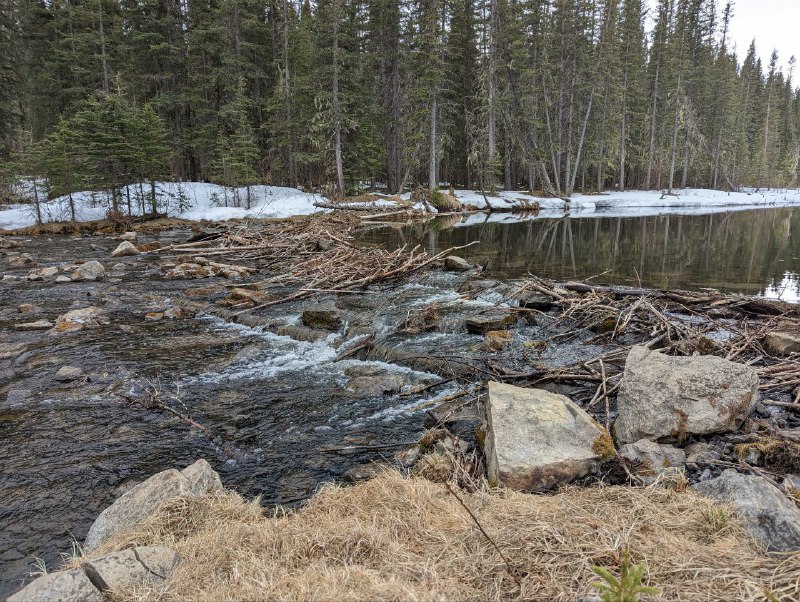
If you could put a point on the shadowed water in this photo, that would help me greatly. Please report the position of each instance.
(752, 252)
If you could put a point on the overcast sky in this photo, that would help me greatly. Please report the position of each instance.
(773, 23)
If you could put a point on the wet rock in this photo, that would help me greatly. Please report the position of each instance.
(42, 273)
(782, 343)
(78, 319)
(67, 374)
(64, 586)
(663, 396)
(153, 316)
(153, 245)
(364, 472)
(533, 300)
(29, 308)
(144, 499)
(536, 439)
(324, 316)
(650, 458)
(189, 271)
(89, 271)
(127, 236)
(22, 260)
(374, 381)
(408, 457)
(490, 320)
(457, 264)
(495, 340)
(124, 249)
(175, 313)
(134, 567)
(772, 519)
(37, 325)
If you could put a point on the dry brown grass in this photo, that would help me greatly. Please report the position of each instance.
(398, 538)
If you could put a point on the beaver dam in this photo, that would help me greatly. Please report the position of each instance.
(291, 354)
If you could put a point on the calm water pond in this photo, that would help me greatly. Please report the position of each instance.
(752, 252)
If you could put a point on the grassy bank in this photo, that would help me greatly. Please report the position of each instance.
(398, 538)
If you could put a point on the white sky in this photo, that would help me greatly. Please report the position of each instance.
(773, 23)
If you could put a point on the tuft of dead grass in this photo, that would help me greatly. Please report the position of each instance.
(401, 538)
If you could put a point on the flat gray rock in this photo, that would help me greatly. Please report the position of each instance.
(63, 586)
(665, 396)
(536, 439)
(766, 513)
(146, 498)
(130, 568)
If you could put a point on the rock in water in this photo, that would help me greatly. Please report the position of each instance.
(78, 319)
(782, 343)
(324, 316)
(496, 319)
(91, 270)
(537, 439)
(64, 586)
(144, 499)
(664, 396)
(766, 513)
(457, 264)
(127, 569)
(123, 249)
(128, 236)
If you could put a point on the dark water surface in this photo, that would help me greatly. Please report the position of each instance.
(752, 252)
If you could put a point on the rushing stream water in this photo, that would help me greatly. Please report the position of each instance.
(752, 252)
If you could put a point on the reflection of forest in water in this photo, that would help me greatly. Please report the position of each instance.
(744, 251)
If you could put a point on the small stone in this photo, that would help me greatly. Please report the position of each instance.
(324, 316)
(490, 320)
(782, 343)
(29, 308)
(650, 458)
(89, 271)
(124, 249)
(408, 457)
(78, 319)
(364, 472)
(62, 279)
(21, 261)
(153, 315)
(457, 264)
(495, 340)
(766, 513)
(701, 453)
(153, 245)
(64, 586)
(42, 273)
(37, 325)
(127, 236)
(67, 374)
(188, 270)
(175, 313)
(118, 267)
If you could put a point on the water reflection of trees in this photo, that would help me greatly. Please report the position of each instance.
(744, 251)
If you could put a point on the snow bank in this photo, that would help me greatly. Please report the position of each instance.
(189, 200)
(201, 201)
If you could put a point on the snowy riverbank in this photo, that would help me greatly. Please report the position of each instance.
(203, 201)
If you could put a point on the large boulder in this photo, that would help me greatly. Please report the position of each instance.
(144, 499)
(664, 396)
(130, 568)
(90, 271)
(63, 586)
(765, 512)
(536, 439)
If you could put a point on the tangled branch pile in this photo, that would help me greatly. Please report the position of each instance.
(306, 256)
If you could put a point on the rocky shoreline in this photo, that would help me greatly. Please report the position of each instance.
(526, 384)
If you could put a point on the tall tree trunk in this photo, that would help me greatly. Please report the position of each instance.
(287, 83)
(492, 83)
(103, 54)
(337, 118)
(653, 112)
(675, 127)
(433, 181)
(37, 205)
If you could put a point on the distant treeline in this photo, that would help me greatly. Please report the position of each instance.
(550, 95)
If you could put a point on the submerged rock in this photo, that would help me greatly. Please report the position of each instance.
(765, 512)
(536, 439)
(124, 249)
(89, 271)
(64, 586)
(664, 396)
(324, 316)
(144, 499)
(490, 320)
